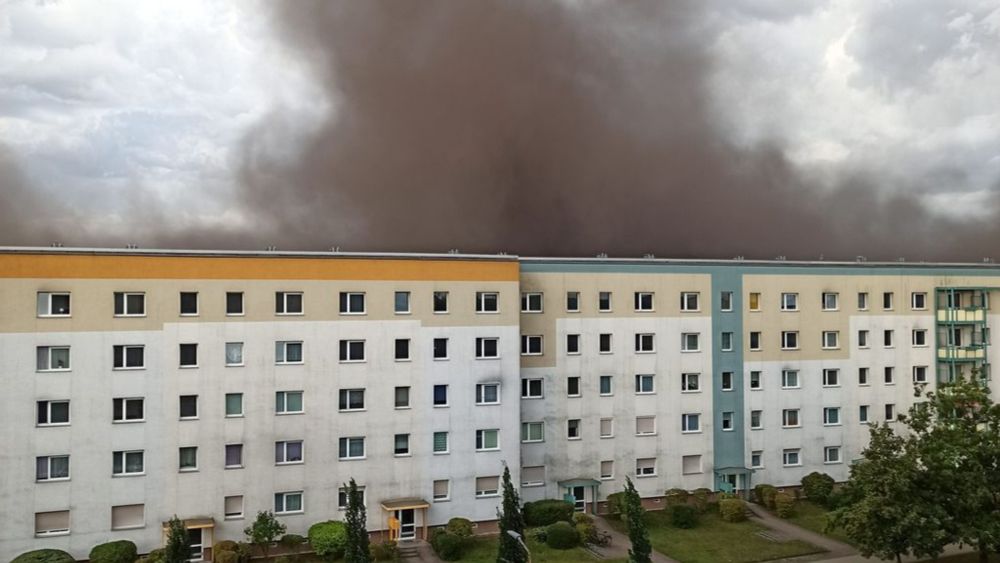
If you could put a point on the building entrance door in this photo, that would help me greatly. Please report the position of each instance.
(407, 524)
(580, 504)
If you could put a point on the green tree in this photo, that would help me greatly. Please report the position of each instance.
(178, 548)
(511, 520)
(265, 530)
(356, 548)
(633, 513)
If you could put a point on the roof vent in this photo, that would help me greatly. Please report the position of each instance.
(453, 251)
(131, 246)
(56, 245)
(649, 256)
(781, 258)
(334, 249)
(738, 258)
(986, 260)
(271, 248)
(860, 259)
(602, 255)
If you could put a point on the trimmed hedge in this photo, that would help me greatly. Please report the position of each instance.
(784, 505)
(732, 510)
(683, 516)
(548, 511)
(562, 535)
(225, 557)
(676, 496)
(225, 545)
(614, 503)
(291, 541)
(700, 498)
(584, 524)
(818, 487)
(461, 527)
(764, 495)
(447, 545)
(44, 556)
(121, 551)
(328, 539)
(385, 551)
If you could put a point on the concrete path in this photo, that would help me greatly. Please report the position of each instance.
(620, 544)
(834, 548)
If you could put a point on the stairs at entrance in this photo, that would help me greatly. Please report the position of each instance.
(408, 551)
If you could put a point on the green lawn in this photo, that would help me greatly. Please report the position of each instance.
(812, 517)
(966, 558)
(484, 550)
(716, 541)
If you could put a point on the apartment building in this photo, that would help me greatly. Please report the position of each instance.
(212, 385)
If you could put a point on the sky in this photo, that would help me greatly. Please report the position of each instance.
(760, 128)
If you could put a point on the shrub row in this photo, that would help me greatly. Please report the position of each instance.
(548, 511)
(451, 542)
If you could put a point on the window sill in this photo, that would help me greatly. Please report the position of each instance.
(291, 314)
(791, 427)
(236, 314)
(831, 348)
(534, 398)
(133, 368)
(572, 310)
(352, 458)
(133, 527)
(188, 470)
(228, 467)
(832, 462)
(234, 517)
(399, 408)
(189, 315)
(498, 357)
(53, 370)
(352, 410)
(689, 391)
(487, 312)
(235, 365)
(402, 455)
(491, 495)
(487, 404)
(573, 396)
(123, 475)
(440, 312)
(644, 476)
(445, 359)
(128, 421)
(51, 534)
(574, 353)
(52, 480)
(446, 499)
(536, 484)
(52, 425)
(195, 366)
(53, 316)
(831, 386)
(642, 434)
(402, 360)
(289, 413)
(289, 513)
(129, 316)
(353, 361)
(727, 429)
(756, 428)
(691, 351)
(402, 313)
(690, 431)
(441, 406)
(289, 363)
(441, 453)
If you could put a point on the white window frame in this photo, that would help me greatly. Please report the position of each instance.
(532, 302)
(864, 414)
(447, 351)
(759, 464)
(481, 435)
(242, 361)
(180, 355)
(232, 515)
(125, 402)
(918, 296)
(197, 408)
(283, 296)
(686, 346)
(481, 393)
(54, 531)
(577, 294)
(48, 468)
(890, 298)
(526, 383)
(447, 442)
(125, 308)
(645, 417)
(579, 346)
(920, 374)
(786, 374)
(726, 341)
(487, 493)
(638, 301)
(687, 378)
(125, 348)
(447, 395)
(189, 469)
(447, 302)
(836, 301)
(284, 344)
(750, 341)
(863, 303)
(889, 375)
(47, 296)
(607, 476)
(756, 380)
(350, 440)
(611, 343)
(345, 308)
(864, 339)
(787, 336)
(867, 379)
(225, 457)
(396, 311)
(757, 424)
(789, 301)
(48, 413)
(48, 350)
(895, 415)
(889, 338)
(611, 427)
(600, 297)
(686, 304)
(349, 347)
(526, 345)
(527, 431)
(828, 414)
(724, 298)
(125, 472)
(787, 453)
(922, 332)
(180, 303)
(729, 385)
(395, 442)
(641, 379)
(441, 498)
(243, 304)
(686, 427)
(611, 385)
(284, 402)
(826, 455)
(284, 495)
(827, 372)
(348, 394)
(787, 415)
(728, 423)
(831, 339)
(645, 343)
(577, 428)
(579, 386)
(481, 302)
(645, 471)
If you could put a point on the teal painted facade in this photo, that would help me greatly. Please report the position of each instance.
(728, 446)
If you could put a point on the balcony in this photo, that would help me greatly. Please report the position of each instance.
(961, 353)
(961, 315)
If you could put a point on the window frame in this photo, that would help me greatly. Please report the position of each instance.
(836, 377)
(48, 404)
(686, 296)
(641, 379)
(180, 305)
(243, 308)
(125, 357)
(526, 432)
(48, 350)
(347, 350)
(826, 455)
(836, 301)
(124, 463)
(827, 336)
(787, 416)
(913, 300)
(447, 442)
(447, 398)
(48, 461)
(789, 301)
(601, 295)
(784, 379)
(481, 395)
(442, 298)
(686, 427)
(348, 441)
(284, 496)
(345, 305)
(526, 384)
(785, 453)
(483, 298)
(685, 344)
(481, 439)
(395, 303)
(284, 402)
(285, 344)
(181, 468)
(526, 345)
(923, 336)
(786, 337)
(573, 295)
(125, 304)
(281, 303)
(49, 305)
(345, 396)
(600, 385)
(726, 301)
(830, 413)
(686, 378)
(125, 401)
(532, 302)
(644, 302)
(641, 341)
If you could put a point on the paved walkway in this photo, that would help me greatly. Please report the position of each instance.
(834, 548)
(620, 544)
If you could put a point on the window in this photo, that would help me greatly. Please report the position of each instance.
(756, 459)
(572, 301)
(755, 340)
(52, 468)
(755, 420)
(50, 304)
(234, 404)
(53, 413)
(789, 340)
(573, 429)
(188, 456)
(401, 445)
(288, 352)
(919, 337)
(401, 396)
(920, 374)
(531, 345)
(440, 301)
(755, 380)
(607, 427)
(604, 301)
(645, 467)
(831, 301)
(689, 301)
(887, 338)
(288, 503)
(189, 303)
(440, 442)
(532, 431)
(790, 418)
(52, 358)
(352, 448)
(691, 464)
(863, 301)
(352, 400)
(789, 301)
(189, 355)
(918, 301)
(288, 402)
(727, 421)
(726, 301)
(690, 382)
(234, 456)
(287, 303)
(645, 425)
(353, 303)
(863, 414)
(127, 463)
(189, 406)
(130, 304)
(644, 343)
(726, 342)
(233, 507)
(531, 302)
(831, 416)
(440, 395)
(234, 303)
(727, 381)
(689, 342)
(890, 412)
(401, 303)
(862, 376)
(644, 384)
(52, 523)
(831, 454)
(862, 339)
(129, 357)
(605, 384)
(789, 379)
(831, 339)
(572, 344)
(791, 458)
(531, 388)
(487, 486)
(487, 302)
(604, 343)
(607, 469)
(643, 301)
(889, 375)
(442, 490)
(234, 354)
(573, 386)
(690, 423)
(887, 300)
(128, 516)
(352, 350)
(402, 350)
(754, 301)
(831, 378)
(488, 394)
(487, 440)
(440, 348)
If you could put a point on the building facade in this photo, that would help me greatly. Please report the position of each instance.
(212, 385)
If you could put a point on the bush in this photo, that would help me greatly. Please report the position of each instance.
(328, 539)
(676, 496)
(447, 545)
(121, 551)
(784, 505)
(225, 545)
(818, 487)
(385, 551)
(614, 503)
(291, 541)
(683, 516)
(225, 557)
(44, 556)
(764, 495)
(562, 535)
(700, 497)
(732, 510)
(156, 556)
(548, 511)
(283, 559)
(585, 528)
(244, 551)
(582, 518)
(461, 527)
(538, 534)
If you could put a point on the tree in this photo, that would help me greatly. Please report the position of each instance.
(633, 512)
(356, 548)
(511, 520)
(264, 531)
(178, 548)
